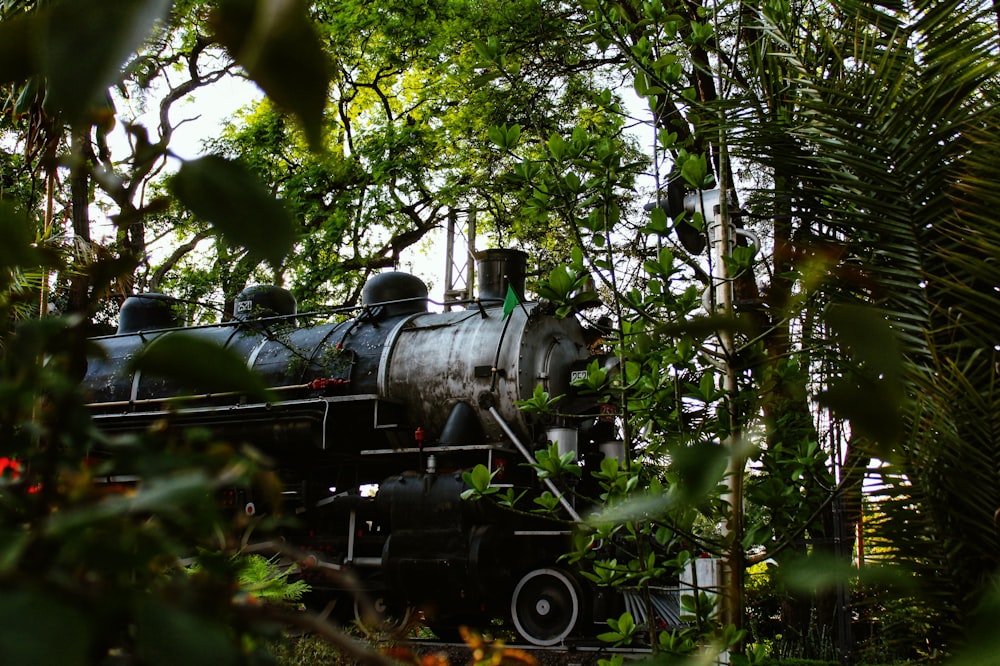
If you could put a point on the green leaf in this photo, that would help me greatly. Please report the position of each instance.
(871, 393)
(700, 32)
(665, 61)
(19, 39)
(658, 222)
(641, 84)
(498, 136)
(13, 544)
(84, 45)
(510, 498)
(18, 249)
(513, 134)
(482, 80)
(227, 195)
(479, 479)
(161, 495)
(169, 493)
(547, 501)
(38, 629)
(168, 636)
(623, 629)
(540, 402)
(487, 50)
(626, 624)
(276, 42)
(699, 468)
(557, 146)
(639, 508)
(199, 365)
(572, 181)
(706, 388)
(694, 171)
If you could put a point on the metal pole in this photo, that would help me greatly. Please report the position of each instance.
(723, 238)
(449, 260)
(470, 257)
(527, 456)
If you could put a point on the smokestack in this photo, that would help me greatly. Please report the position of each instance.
(499, 268)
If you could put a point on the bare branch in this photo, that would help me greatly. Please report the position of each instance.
(179, 252)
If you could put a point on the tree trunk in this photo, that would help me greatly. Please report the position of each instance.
(79, 282)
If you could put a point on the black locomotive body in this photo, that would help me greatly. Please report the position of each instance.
(403, 399)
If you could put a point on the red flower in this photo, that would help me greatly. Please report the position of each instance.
(12, 465)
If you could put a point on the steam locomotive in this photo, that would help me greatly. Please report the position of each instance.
(405, 400)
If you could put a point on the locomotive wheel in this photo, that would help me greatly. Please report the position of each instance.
(381, 615)
(546, 606)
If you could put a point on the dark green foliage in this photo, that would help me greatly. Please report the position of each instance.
(225, 194)
(79, 47)
(864, 135)
(94, 571)
(797, 662)
(193, 362)
(96, 562)
(279, 48)
(40, 628)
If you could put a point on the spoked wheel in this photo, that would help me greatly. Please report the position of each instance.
(546, 606)
(381, 615)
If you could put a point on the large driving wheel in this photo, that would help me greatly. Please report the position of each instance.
(546, 606)
(379, 614)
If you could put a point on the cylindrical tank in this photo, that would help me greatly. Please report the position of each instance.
(146, 312)
(348, 352)
(431, 362)
(411, 367)
(395, 293)
(565, 438)
(499, 268)
(264, 300)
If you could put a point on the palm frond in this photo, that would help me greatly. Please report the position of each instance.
(888, 131)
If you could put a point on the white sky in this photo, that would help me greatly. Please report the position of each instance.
(203, 113)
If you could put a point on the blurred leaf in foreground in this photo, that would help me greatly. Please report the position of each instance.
(228, 196)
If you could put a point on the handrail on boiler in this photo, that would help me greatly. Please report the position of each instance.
(527, 456)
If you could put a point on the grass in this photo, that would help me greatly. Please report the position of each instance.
(307, 651)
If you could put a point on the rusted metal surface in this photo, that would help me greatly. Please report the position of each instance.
(433, 361)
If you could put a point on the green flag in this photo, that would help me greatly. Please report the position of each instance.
(509, 302)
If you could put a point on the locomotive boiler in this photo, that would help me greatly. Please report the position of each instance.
(404, 399)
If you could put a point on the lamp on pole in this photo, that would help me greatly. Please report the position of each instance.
(722, 234)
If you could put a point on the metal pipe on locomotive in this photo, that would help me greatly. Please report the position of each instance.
(405, 399)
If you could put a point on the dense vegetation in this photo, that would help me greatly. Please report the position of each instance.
(856, 339)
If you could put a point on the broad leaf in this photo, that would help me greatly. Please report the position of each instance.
(18, 55)
(870, 393)
(167, 636)
(276, 43)
(164, 496)
(85, 45)
(199, 365)
(229, 197)
(37, 629)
